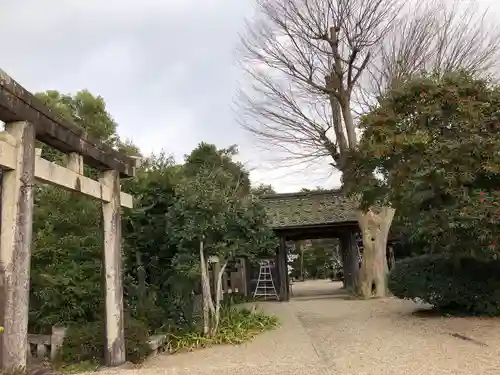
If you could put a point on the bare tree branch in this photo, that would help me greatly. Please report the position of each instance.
(437, 36)
(315, 66)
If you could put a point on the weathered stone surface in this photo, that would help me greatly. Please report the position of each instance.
(113, 279)
(15, 248)
(27, 120)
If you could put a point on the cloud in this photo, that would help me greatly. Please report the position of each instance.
(166, 68)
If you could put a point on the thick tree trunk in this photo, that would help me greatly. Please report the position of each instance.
(218, 299)
(206, 315)
(350, 261)
(208, 306)
(375, 229)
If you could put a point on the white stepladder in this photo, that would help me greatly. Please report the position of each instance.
(265, 284)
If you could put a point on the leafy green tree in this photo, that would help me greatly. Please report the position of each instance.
(157, 234)
(328, 60)
(314, 258)
(66, 260)
(262, 190)
(150, 245)
(161, 233)
(209, 219)
(435, 147)
(85, 110)
(208, 157)
(306, 190)
(127, 147)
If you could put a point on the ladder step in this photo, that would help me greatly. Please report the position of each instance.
(265, 284)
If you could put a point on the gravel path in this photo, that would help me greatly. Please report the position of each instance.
(329, 334)
(385, 337)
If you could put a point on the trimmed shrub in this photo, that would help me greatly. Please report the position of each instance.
(466, 285)
(86, 342)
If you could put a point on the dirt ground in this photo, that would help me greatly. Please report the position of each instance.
(323, 332)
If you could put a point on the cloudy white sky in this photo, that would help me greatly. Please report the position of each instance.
(166, 69)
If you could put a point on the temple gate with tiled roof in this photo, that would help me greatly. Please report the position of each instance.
(310, 215)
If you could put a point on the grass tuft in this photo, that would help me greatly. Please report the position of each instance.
(237, 326)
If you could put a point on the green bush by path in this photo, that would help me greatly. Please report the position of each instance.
(237, 325)
(459, 286)
(83, 346)
(85, 343)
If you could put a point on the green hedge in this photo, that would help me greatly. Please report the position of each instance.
(466, 285)
(86, 342)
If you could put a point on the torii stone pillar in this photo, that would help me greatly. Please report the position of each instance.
(15, 246)
(115, 342)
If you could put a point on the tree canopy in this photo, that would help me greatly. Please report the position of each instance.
(208, 157)
(174, 204)
(316, 66)
(431, 149)
(66, 261)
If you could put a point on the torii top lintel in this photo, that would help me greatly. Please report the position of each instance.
(18, 104)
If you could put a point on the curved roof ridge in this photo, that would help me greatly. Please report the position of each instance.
(309, 208)
(302, 193)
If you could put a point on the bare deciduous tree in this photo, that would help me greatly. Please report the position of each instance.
(315, 65)
(443, 36)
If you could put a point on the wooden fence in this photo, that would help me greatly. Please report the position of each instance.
(46, 346)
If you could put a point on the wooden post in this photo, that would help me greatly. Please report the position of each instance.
(282, 267)
(113, 280)
(343, 257)
(249, 272)
(15, 247)
(286, 276)
(243, 276)
(56, 340)
(215, 276)
(225, 283)
(350, 260)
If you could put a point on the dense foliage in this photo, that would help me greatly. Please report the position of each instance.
(86, 342)
(175, 204)
(263, 190)
(207, 157)
(431, 149)
(66, 261)
(237, 325)
(210, 208)
(464, 285)
(314, 259)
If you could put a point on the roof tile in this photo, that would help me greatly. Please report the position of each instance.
(310, 208)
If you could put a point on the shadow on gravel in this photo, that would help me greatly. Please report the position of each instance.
(311, 295)
(428, 312)
(432, 312)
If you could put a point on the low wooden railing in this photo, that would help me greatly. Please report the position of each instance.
(46, 346)
(42, 346)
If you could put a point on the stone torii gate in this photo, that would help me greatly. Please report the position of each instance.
(27, 120)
